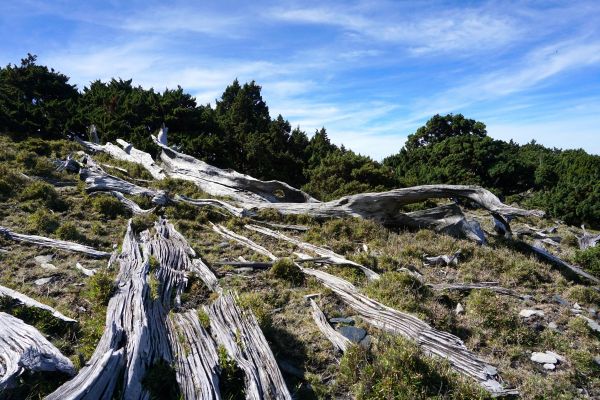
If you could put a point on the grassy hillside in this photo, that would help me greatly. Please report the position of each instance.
(38, 200)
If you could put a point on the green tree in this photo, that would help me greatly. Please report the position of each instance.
(35, 100)
(439, 128)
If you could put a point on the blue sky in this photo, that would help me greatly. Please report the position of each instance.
(371, 72)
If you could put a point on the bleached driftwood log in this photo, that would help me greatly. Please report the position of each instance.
(27, 301)
(332, 256)
(219, 182)
(54, 243)
(233, 210)
(130, 204)
(196, 359)
(493, 286)
(573, 270)
(97, 180)
(286, 227)
(431, 340)
(238, 332)
(134, 338)
(339, 341)
(244, 241)
(126, 153)
(24, 348)
(386, 206)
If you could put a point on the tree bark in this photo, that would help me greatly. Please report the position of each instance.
(24, 348)
(54, 243)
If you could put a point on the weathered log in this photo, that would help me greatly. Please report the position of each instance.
(54, 243)
(126, 153)
(465, 287)
(238, 332)
(219, 182)
(339, 341)
(286, 227)
(587, 240)
(24, 348)
(196, 359)
(221, 230)
(27, 301)
(431, 340)
(538, 234)
(134, 338)
(386, 207)
(573, 270)
(235, 211)
(130, 204)
(332, 256)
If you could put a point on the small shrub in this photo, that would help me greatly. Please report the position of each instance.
(153, 286)
(231, 379)
(400, 290)
(161, 381)
(570, 240)
(589, 259)
(43, 221)
(203, 318)
(69, 231)
(26, 158)
(180, 186)
(108, 206)
(286, 270)
(44, 193)
(140, 223)
(42, 167)
(398, 369)
(100, 288)
(583, 294)
(36, 145)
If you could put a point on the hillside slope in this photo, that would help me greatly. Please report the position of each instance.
(499, 284)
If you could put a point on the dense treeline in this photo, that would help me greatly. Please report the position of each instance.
(239, 133)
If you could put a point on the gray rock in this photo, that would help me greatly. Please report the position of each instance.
(43, 281)
(550, 367)
(491, 371)
(597, 360)
(557, 356)
(592, 312)
(558, 299)
(530, 313)
(577, 306)
(48, 266)
(459, 309)
(553, 325)
(342, 320)
(352, 333)
(543, 358)
(366, 342)
(43, 259)
(222, 245)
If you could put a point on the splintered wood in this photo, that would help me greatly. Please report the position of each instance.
(23, 348)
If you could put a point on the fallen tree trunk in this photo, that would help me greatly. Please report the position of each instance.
(333, 257)
(219, 182)
(196, 359)
(24, 348)
(587, 240)
(134, 337)
(54, 243)
(131, 205)
(126, 153)
(386, 207)
(239, 333)
(27, 301)
(221, 230)
(572, 270)
(339, 341)
(431, 340)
